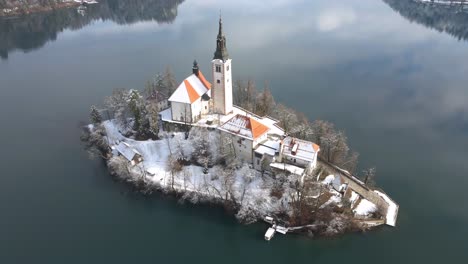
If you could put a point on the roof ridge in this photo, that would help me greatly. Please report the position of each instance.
(202, 78)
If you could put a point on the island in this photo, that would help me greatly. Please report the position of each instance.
(225, 143)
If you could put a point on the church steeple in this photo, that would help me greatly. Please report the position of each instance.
(221, 52)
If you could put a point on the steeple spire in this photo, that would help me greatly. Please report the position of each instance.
(220, 32)
(221, 52)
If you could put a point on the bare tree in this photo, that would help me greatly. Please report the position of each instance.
(369, 176)
(304, 199)
(265, 102)
(118, 166)
(287, 117)
(201, 144)
(96, 141)
(174, 167)
(245, 95)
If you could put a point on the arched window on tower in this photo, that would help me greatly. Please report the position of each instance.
(218, 68)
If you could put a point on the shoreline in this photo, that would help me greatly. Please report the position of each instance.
(18, 11)
(212, 194)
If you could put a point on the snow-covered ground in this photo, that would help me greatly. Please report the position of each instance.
(246, 184)
(354, 197)
(334, 199)
(288, 167)
(365, 208)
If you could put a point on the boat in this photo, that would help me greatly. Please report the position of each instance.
(269, 234)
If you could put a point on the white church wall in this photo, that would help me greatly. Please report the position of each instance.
(196, 110)
(181, 112)
(205, 105)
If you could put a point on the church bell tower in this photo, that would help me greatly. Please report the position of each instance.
(222, 82)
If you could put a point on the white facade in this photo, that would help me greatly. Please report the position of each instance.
(222, 86)
(299, 153)
(181, 112)
(242, 147)
(191, 99)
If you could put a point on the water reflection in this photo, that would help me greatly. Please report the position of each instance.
(451, 19)
(32, 32)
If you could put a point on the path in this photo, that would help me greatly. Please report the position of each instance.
(378, 197)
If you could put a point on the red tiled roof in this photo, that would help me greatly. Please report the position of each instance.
(245, 126)
(316, 147)
(257, 128)
(193, 95)
(191, 89)
(203, 80)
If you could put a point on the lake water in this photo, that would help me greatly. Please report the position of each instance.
(392, 74)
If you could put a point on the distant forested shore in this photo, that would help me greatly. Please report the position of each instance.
(16, 7)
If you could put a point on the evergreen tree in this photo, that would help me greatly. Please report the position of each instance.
(95, 116)
(153, 116)
(160, 84)
(170, 82)
(137, 108)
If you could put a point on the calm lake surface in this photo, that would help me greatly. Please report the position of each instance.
(398, 88)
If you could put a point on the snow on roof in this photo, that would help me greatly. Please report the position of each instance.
(265, 150)
(166, 114)
(335, 181)
(272, 124)
(191, 89)
(268, 146)
(287, 167)
(125, 150)
(245, 126)
(299, 148)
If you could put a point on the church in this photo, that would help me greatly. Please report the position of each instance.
(197, 102)
(196, 97)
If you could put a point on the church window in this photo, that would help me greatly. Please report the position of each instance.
(218, 68)
(227, 80)
(218, 81)
(227, 68)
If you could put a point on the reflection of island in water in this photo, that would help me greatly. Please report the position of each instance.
(33, 31)
(451, 19)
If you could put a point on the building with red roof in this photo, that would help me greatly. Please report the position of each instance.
(192, 98)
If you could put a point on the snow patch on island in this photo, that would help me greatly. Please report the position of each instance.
(365, 208)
